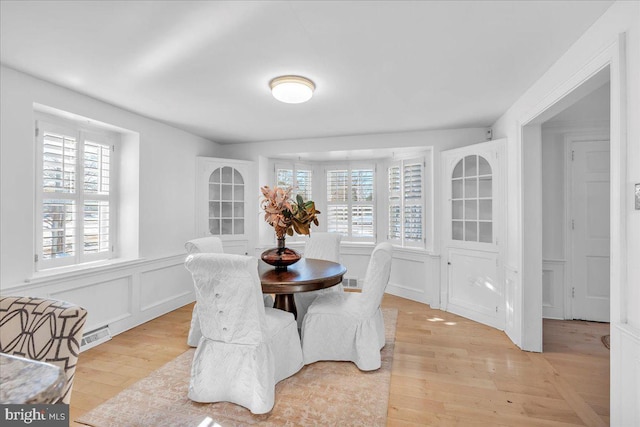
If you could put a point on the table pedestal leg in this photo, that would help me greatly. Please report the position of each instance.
(287, 303)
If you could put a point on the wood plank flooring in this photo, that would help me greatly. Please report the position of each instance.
(447, 370)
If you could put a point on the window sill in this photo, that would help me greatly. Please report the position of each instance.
(80, 270)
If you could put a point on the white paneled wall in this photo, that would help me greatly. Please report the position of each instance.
(415, 274)
(119, 296)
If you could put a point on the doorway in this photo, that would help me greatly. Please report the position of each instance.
(531, 190)
(575, 200)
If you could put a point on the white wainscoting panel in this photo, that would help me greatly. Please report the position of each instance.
(553, 298)
(117, 292)
(164, 284)
(415, 275)
(122, 295)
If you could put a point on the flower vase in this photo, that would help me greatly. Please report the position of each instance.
(280, 257)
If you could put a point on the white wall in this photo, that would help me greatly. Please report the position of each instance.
(415, 274)
(601, 39)
(166, 175)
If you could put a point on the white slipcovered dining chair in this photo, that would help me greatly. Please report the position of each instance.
(348, 326)
(204, 245)
(325, 246)
(245, 348)
(207, 245)
(210, 244)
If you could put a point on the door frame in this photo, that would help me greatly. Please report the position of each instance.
(569, 139)
(527, 332)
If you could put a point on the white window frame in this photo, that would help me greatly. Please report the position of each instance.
(82, 134)
(350, 167)
(403, 203)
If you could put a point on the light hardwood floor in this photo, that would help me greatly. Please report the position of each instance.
(447, 370)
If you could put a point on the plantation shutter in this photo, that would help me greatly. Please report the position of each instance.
(96, 215)
(303, 183)
(74, 201)
(395, 203)
(412, 174)
(350, 202)
(362, 203)
(284, 177)
(337, 206)
(300, 177)
(58, 197)
(405, 179)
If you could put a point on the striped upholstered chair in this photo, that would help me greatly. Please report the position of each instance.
(45, 330)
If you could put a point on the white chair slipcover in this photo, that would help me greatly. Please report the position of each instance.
(245, 348)
(207, 245)
(204, 245)
(348, 326)
(325, 246)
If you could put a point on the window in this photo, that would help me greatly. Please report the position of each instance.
(300, 177)
(472, 200)
(406, 202)
(350, 202)
(226, 202)
(75, 199)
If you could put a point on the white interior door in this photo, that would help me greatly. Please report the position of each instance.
(590, 230)
(473, 218)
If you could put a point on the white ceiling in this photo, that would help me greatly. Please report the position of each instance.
(594, 107)
(379, 66)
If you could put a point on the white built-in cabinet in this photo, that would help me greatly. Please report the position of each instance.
(473, 232)
(224, 202)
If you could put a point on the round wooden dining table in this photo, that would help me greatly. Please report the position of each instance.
(306, 275)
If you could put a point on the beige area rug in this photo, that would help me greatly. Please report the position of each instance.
(323, 393)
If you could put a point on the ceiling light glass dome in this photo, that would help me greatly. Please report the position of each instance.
(292, 89)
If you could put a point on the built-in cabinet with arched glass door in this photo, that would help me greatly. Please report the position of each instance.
(472, 200)
(223, 203)
(226, 202)
(473, 229)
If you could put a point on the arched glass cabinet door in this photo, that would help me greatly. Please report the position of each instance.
(226, 202)
(472, 200)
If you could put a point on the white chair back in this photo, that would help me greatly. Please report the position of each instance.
(210, 244)
(229, 297)
(324, 246)
(376, 277)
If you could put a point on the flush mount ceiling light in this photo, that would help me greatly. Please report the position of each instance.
(292, 89)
